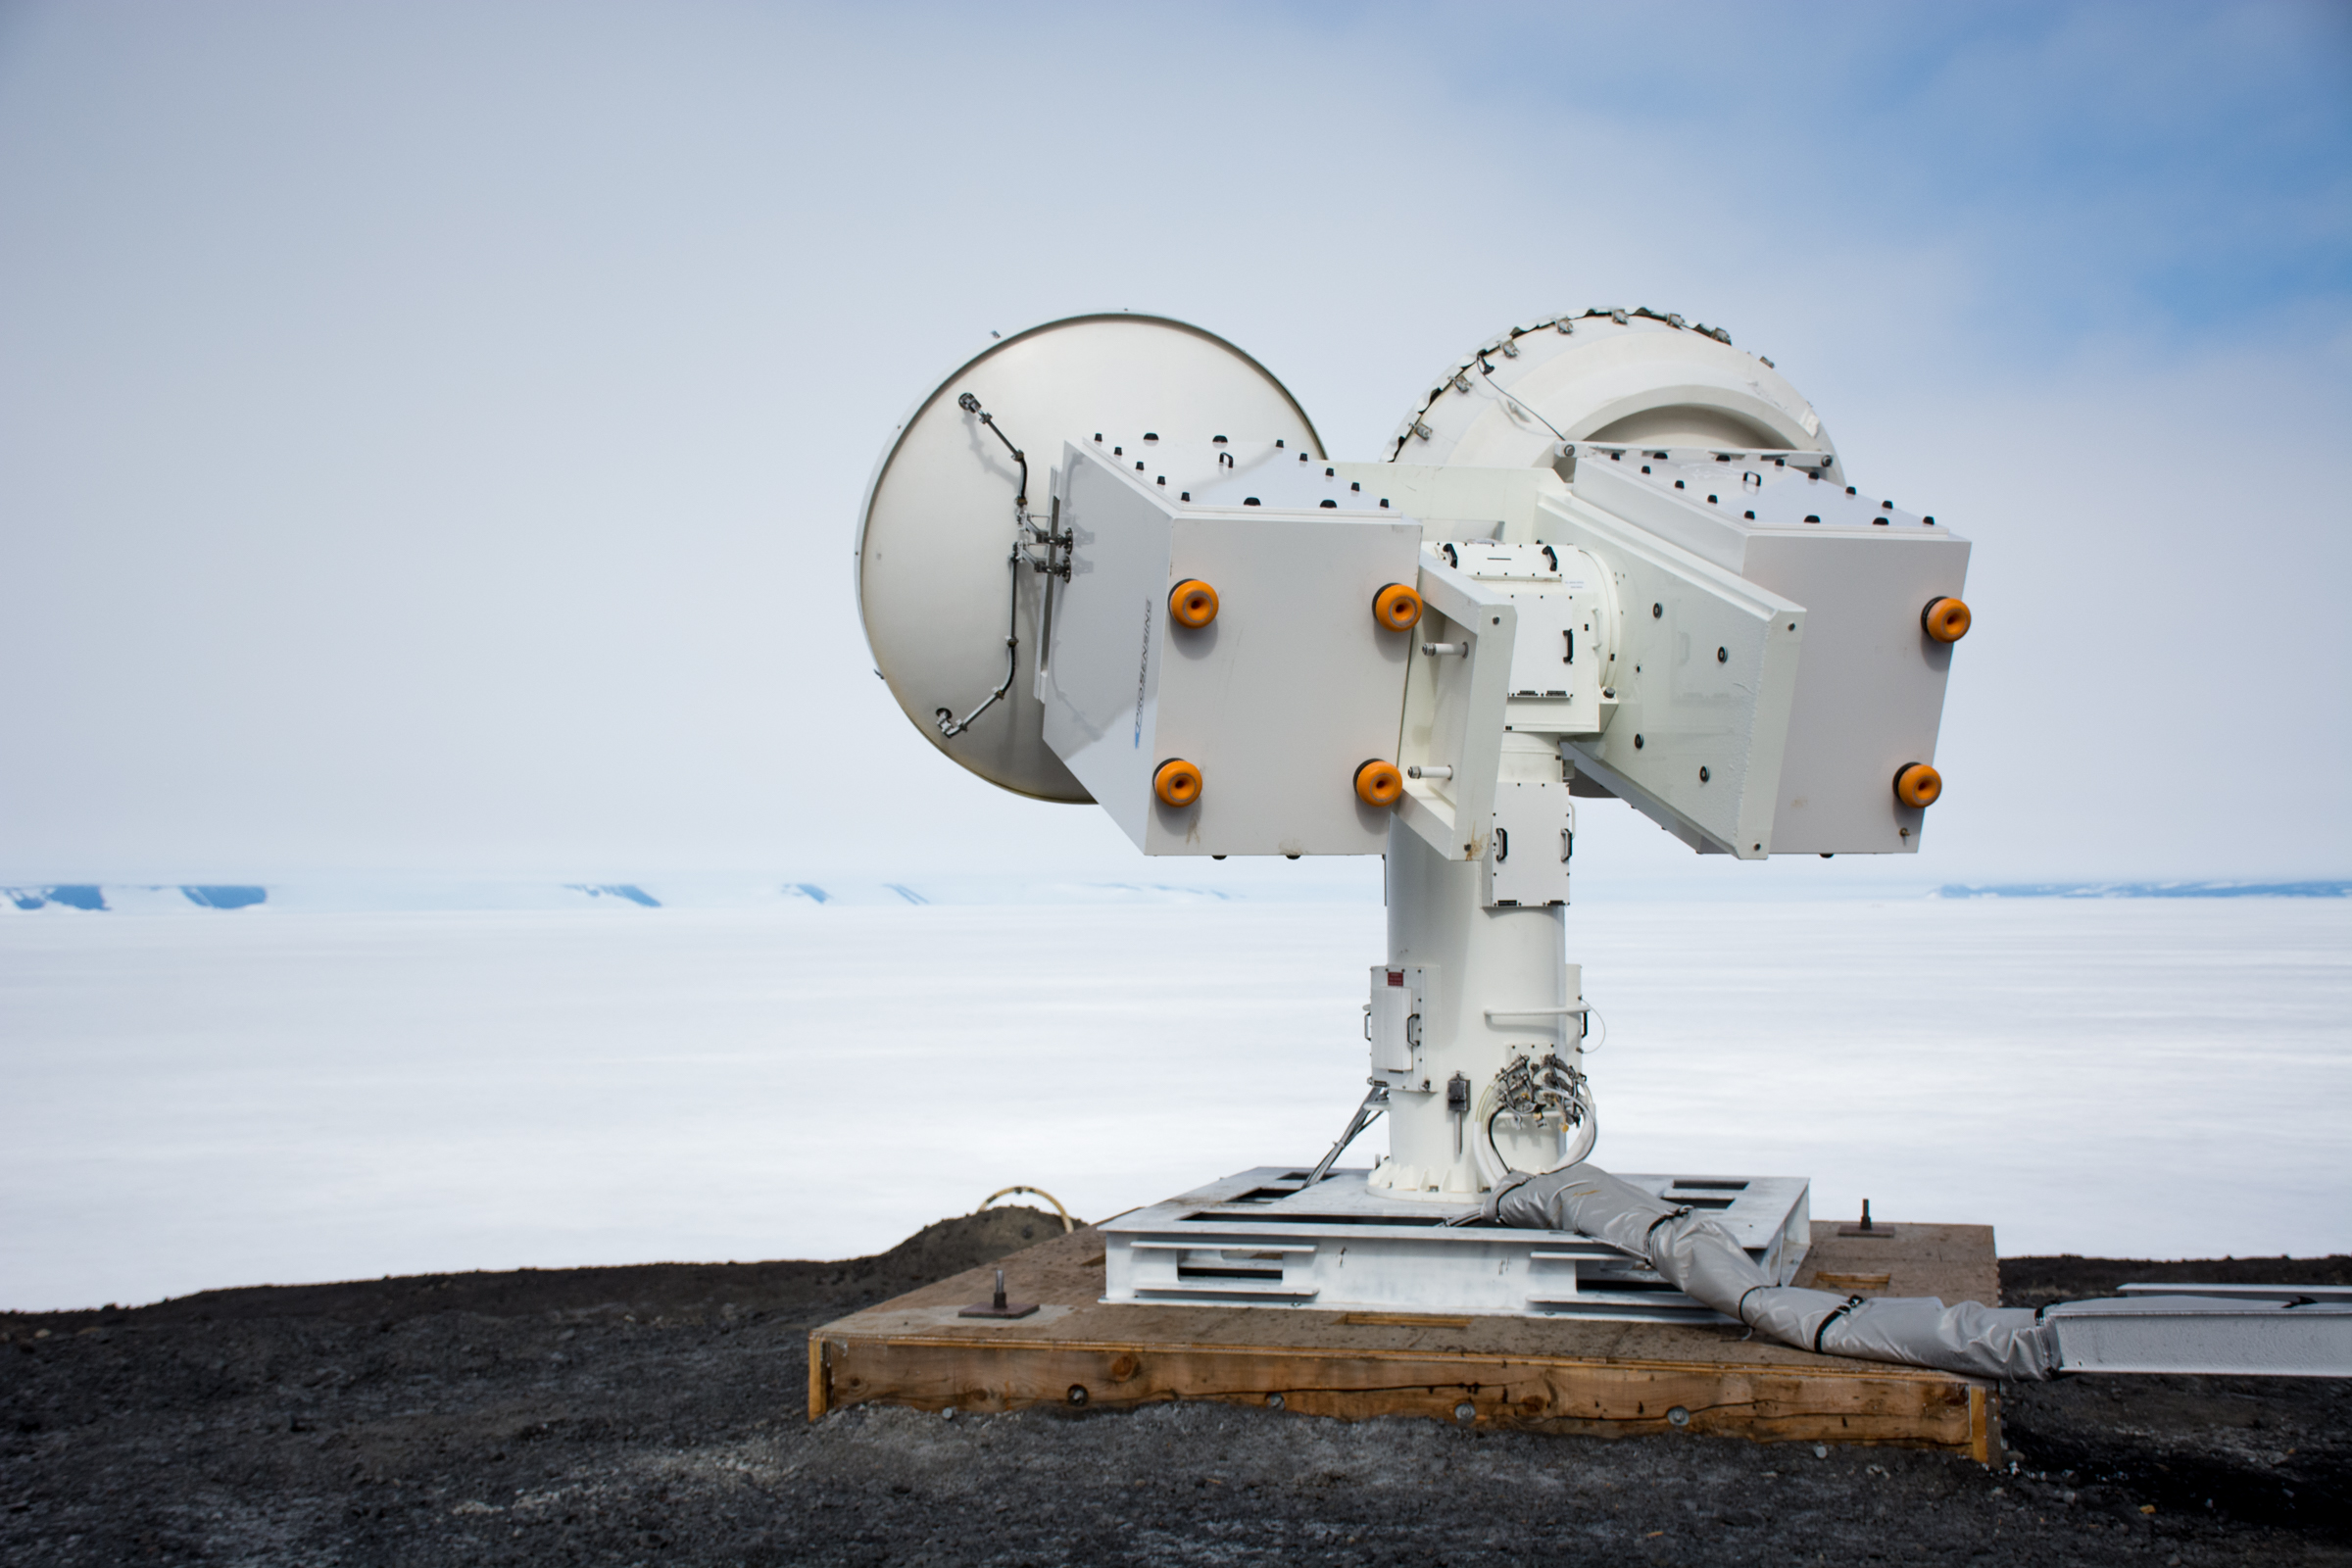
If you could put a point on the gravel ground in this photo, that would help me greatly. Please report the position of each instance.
(654, 1415)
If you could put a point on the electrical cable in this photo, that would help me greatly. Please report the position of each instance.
(1020, 501)
(1494, 1168)
(1487, 370)
(1068, 1221)
(949, 727)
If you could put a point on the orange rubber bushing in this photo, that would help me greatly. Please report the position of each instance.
(1191, 603)
(1396, 606)
(1378, 783)
(1945, 619)
(1176, 782)
(1918, 784)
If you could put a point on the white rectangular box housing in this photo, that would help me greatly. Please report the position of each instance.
(1869, 696)
(1279, 699)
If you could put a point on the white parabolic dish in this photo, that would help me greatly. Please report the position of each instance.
(938, 521)
(1604, 375)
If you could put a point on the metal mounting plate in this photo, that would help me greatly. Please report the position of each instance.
(1260, 1238)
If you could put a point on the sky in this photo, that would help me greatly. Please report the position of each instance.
(431, 436)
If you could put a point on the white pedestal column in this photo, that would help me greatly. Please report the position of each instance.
(1477, 960)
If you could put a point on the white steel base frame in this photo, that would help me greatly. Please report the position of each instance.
(1262, 1239)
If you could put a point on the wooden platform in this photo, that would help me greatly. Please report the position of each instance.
(1539, 1374)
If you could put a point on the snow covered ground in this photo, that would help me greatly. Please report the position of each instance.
(212, 1096)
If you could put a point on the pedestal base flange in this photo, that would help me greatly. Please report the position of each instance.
(1264, 1238)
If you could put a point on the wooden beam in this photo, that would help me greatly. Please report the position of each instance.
(1893, 1406)
(1593, 1378)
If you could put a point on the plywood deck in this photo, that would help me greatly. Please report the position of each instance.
(1544, 1374)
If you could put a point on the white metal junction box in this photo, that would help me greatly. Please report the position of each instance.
(1868, 693)
(1392, 1024)
(1279, 698)
(1559, 642)
(1535, 834)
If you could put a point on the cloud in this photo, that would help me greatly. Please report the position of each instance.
(433, 436)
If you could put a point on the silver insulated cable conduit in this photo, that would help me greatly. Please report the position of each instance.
(1700, 1258)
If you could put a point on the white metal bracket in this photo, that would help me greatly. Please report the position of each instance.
(1453, 707)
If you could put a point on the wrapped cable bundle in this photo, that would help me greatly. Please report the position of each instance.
(1700, 1258)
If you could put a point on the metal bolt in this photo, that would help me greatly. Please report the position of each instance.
(1722, 655)
(1273, 1401)
(1679, 1417)
(1465, 1411)
(1637, 743)
(1077, 1393)
(1703, 775)
(1657, 611)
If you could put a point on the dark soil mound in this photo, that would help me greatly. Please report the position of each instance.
(655, 1415)
(678, 1292)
